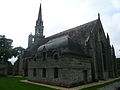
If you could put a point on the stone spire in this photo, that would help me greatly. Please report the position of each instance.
(39, 20)
(39, 26)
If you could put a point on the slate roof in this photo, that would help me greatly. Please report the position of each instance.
(55, 43)
(63, 42)
(78, 34)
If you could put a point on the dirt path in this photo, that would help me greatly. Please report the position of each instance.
(74, 88)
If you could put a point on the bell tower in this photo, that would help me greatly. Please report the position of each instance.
(38, 30)
(39, 27)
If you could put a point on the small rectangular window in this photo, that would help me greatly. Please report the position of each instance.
(34, 72)
(55, 72)
(44, 72)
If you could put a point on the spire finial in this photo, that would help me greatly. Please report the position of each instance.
(98, 15)
(108, 38)
(112, 46)
(40, 13)
(107, 35)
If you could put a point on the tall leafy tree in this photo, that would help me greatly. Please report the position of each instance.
(6, 49)
(17, 51)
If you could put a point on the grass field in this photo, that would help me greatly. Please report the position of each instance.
(13, 83)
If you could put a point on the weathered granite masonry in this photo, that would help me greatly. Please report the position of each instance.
(70, 70)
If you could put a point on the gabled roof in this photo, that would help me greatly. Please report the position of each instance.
(78, 34)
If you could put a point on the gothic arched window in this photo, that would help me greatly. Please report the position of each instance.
(44, 56)
(56, 56)
(34, 58)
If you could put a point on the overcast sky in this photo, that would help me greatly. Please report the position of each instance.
(18, 17)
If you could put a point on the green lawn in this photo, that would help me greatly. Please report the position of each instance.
(13, 83)
(100, 86)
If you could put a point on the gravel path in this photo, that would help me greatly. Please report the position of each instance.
(74, 88)
(113, 86)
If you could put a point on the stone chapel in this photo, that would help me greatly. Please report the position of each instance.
(76, 56)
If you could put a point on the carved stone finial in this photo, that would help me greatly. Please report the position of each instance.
(98, 15)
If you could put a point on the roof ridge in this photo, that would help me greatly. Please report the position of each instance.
(71, 29)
